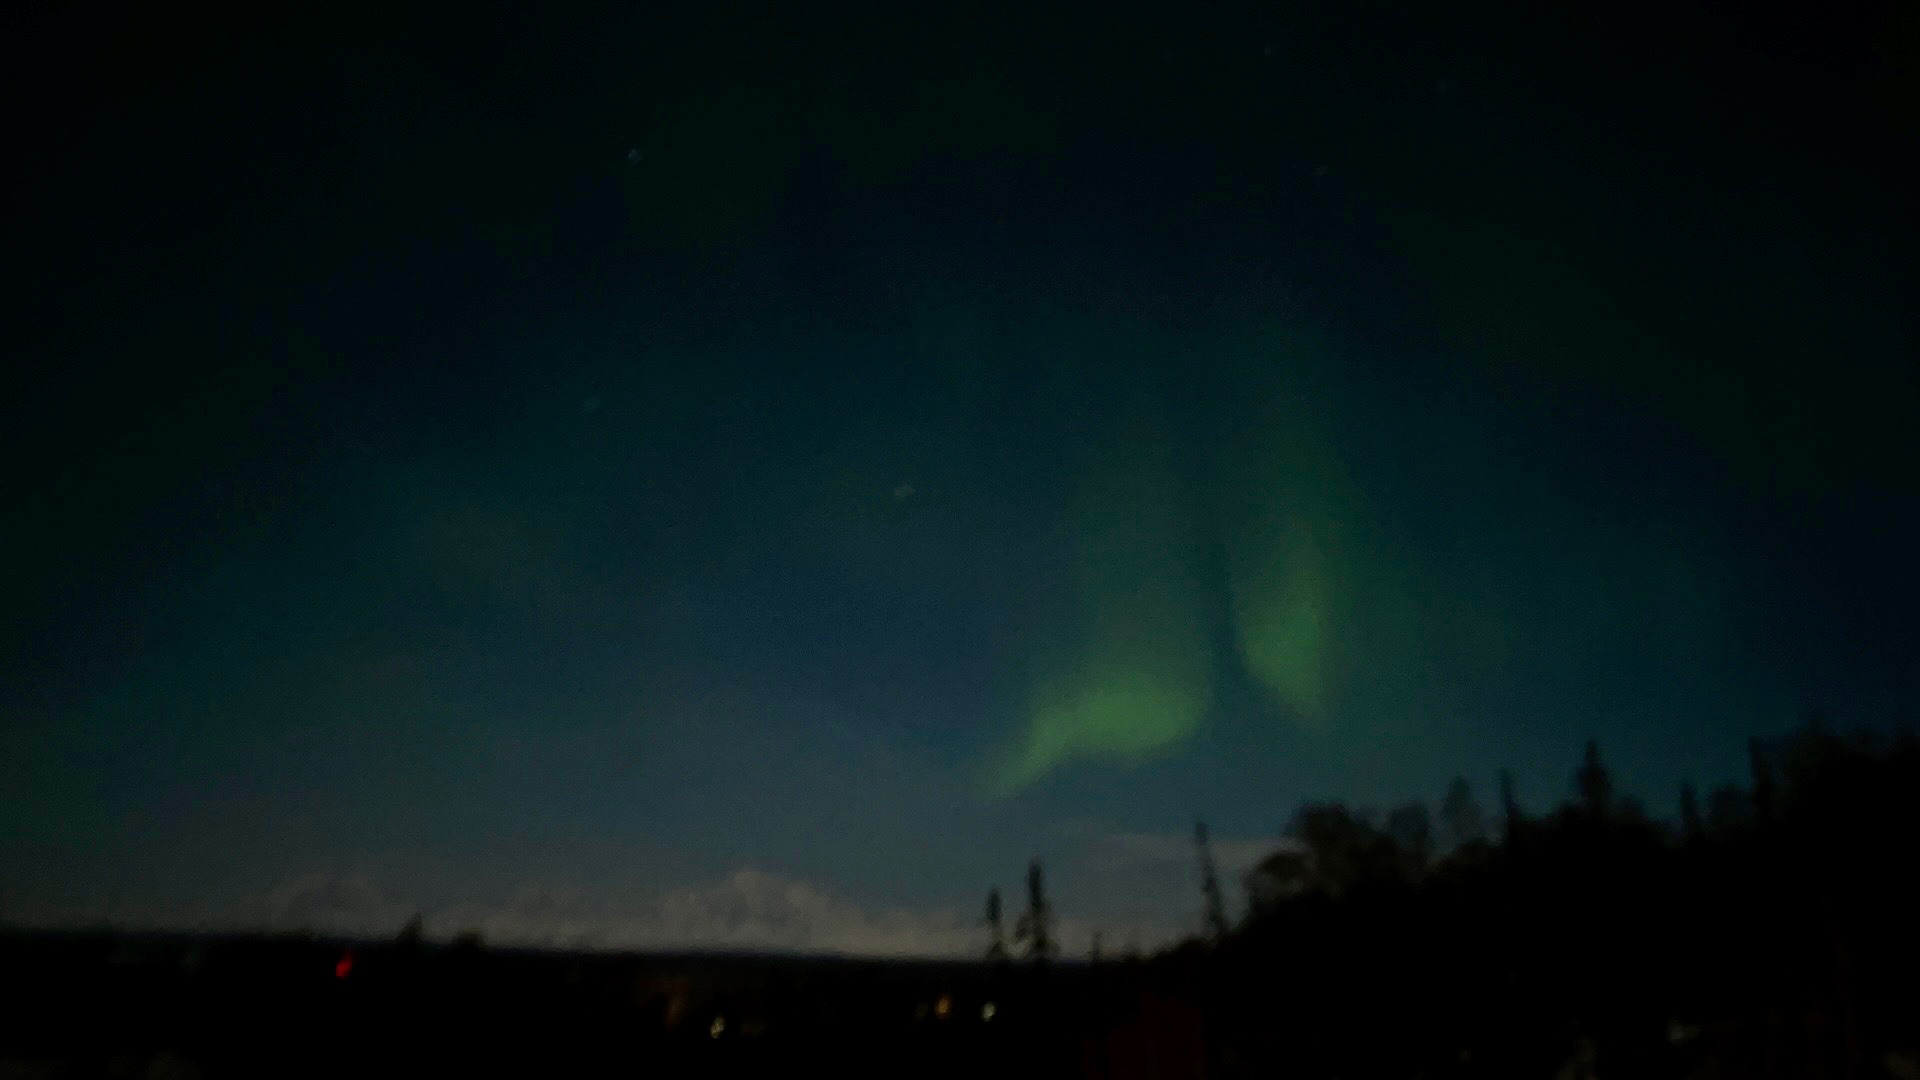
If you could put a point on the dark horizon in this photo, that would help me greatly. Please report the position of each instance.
(956, 938)
(1766, 935)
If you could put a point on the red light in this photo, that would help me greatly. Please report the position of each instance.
(341, 969)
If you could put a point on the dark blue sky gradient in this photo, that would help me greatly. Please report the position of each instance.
(412, 482)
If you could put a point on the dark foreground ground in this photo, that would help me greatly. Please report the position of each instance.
(154, 1006)
(160, 1006)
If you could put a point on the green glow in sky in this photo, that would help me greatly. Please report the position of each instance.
(1130, 670)
(1117, 711)
(1286, 508)
(1122, 674)
(1280, 608)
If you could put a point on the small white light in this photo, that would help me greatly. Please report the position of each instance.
(719, 1025)
(987, 1011)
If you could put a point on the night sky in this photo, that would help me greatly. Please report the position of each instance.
(674, 477)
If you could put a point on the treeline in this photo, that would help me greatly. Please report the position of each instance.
(1770, 933)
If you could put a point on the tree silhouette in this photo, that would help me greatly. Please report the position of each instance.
(1595, 787)
(1728, 809)
(997, 935)
(1762, 778)
(1690, 828)
(414, 934)
(1343, 848)
(1216, 907)
(1411, 831)
(1036, 923)
(1461, 814)
(1509, 807)
(1734, 945)
(1280, 876)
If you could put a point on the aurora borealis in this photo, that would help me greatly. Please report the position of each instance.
(544, 462)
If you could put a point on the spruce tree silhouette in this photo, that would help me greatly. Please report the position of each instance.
(1411, 831)
(413, 934)
(1216, 908)
(1343, 849)
(1280, 876)
(997, 935)
(1762, 767)
(1461, 815)
(1511, 818)
(1035, 927)
(1593, 784)
(1690, 825)
(1729, 810)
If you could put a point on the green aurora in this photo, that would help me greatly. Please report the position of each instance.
(1142, 672)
